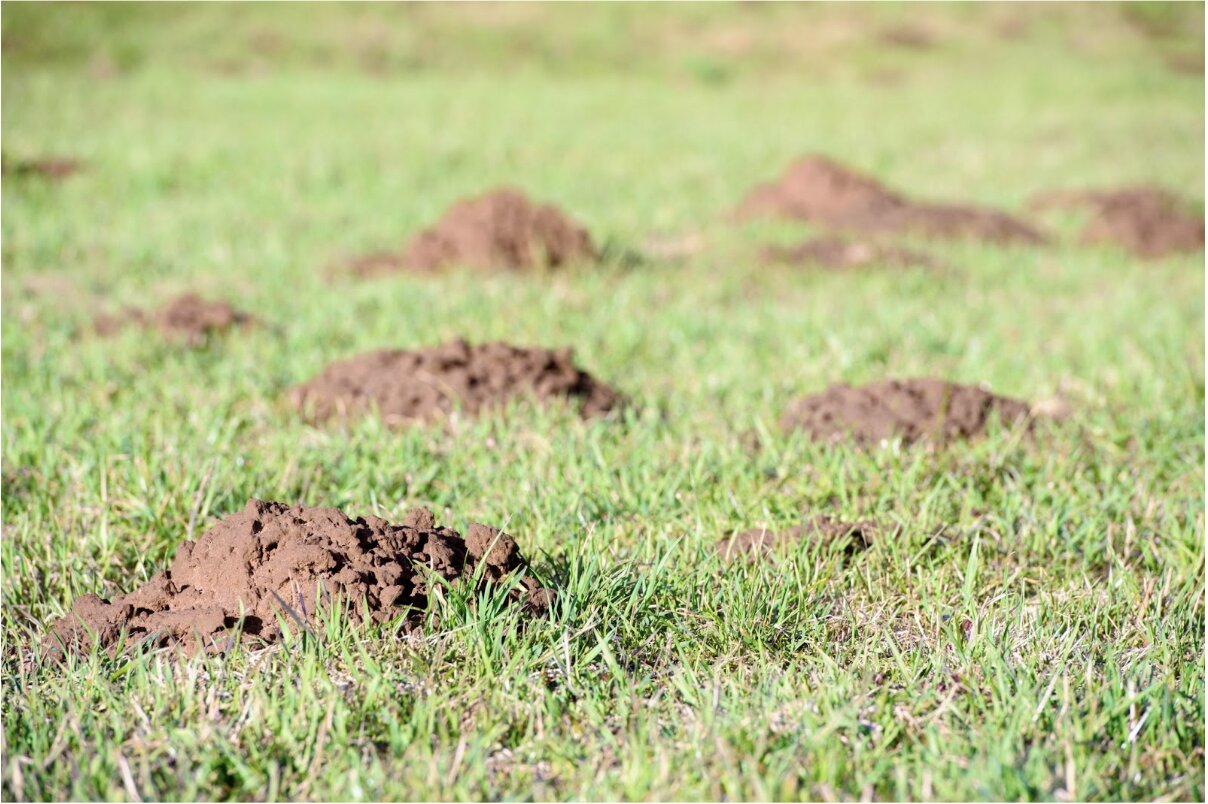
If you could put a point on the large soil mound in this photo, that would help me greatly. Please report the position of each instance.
(1148, 221)
(189, 318)
(844, 254)
(272, 562)
(819, 190)
(763, 543)
(500, 229)
(907, 409)
(425, 384)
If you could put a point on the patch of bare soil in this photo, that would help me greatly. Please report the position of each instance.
(821, 191)
(426, 384)
(499, 230)
(272, 563)
(761, 543)
(910, 410)
(189, 318)
(845, 254)
(54, 168)
(1146, 220)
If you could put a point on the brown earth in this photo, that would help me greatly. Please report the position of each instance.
(498, 230)
(819, 190)
(762, 543)
(426, 384)
(911, 410)
(55, 168)
(1146, 220)
(273, 562)
(840, 253)
(188, 317)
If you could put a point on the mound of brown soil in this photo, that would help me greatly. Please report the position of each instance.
(840, 253)
(272, 562)
(819, 190)
(1146, 220)
(762, 543)
(500, 229)
(906, 409)
(55, 168)
(425, 384)
(189, 318)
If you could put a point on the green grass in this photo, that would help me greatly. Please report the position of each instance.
(1034, 631)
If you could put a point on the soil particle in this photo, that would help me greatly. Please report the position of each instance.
(427, 384)
(189, 318)
(55, 168)
(1146, 220)
(841, 253)
(911, 410)
(272, 562)
(762, 543)
(818, 190)
(499, 230)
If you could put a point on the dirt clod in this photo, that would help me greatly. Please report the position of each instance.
(499, 230)
(911, 410)
(762, 543)
(273, 563)
(425, 384)
(55, 168)
(1146, 220)
(841, 254)
(189, 318)
(821, 191)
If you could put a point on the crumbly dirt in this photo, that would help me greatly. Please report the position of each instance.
(55, 168)
(911, 410)
(821, 191)
(1146, 220)
(426, 384)
(844, 254)
(499, 230)
(273, 563)
(189, 318)
(763, 543)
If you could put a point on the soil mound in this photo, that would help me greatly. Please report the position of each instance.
(189, 318)
(762, 543)
(426, 384)
(911, 410)
(55, 168)
(819, 190)
(498, 230)
(841, 254)
(273, 562)
(1147, 220)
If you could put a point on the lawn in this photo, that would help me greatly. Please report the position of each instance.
(1032, 627)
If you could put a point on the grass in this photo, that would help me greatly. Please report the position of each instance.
(1034, 631)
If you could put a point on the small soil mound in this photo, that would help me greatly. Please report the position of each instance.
(499, 230)
(189, 318)
(1146, 220)
(272, 562)
(843, 254)
(819, 190)
(55, 168)
(911, 410)
(426, 384)
(763, 543)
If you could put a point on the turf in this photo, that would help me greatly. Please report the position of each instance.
(1035, 630)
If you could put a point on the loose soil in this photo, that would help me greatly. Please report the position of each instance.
(273, 563)
(499, 230)
(426, 384)
(821, 191)
(55, 168)
(911, 410)
(189, 318)
(1146, 220)
(841, 254)
(763, 543)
